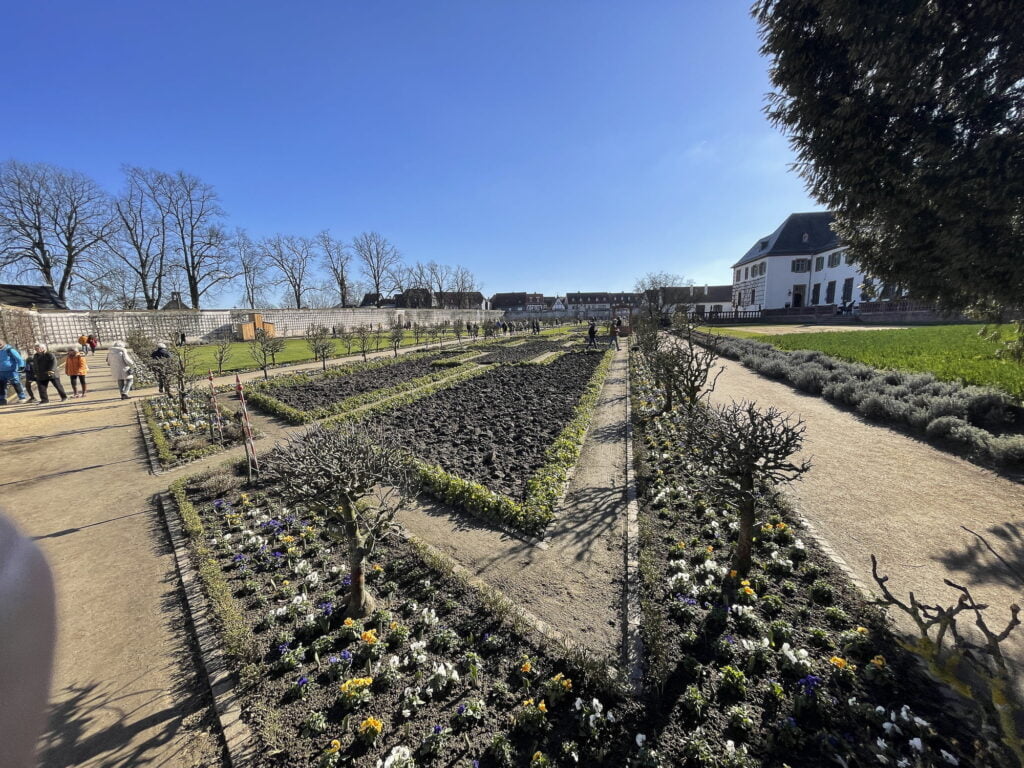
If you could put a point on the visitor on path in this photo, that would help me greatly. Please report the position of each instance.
(47, 373)
(592, 335)
(93, 343)
(83, 344)
(28, 618)
(160, 356)
(614, 333)
(76, 368)
(121, 363)
(11, 363)
(29, 376)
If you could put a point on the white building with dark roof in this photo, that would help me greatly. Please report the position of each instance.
(800, 264)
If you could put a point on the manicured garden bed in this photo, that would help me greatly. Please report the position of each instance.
(179, 438)
(519, 351)
(501, 445)
(788, 666)
(440, 672)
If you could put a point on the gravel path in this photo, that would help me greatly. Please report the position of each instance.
(874, 490)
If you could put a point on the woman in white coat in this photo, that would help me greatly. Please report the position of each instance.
(121, 363)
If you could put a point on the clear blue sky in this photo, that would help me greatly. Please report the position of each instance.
(548, 146)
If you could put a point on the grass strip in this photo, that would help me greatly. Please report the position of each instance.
(233, 628)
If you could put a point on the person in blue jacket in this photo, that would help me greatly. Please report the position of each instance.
(10, 363)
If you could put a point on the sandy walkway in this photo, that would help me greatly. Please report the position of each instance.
(125, 689)
(874, 490)
(771, 330)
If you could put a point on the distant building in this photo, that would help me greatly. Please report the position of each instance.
(40, 297)
(699, 299)
(371, 299)
(600, 301)
(175, 302)
(463, 300)
(518, 302)
(802, 263)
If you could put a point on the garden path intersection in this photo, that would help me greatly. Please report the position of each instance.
(126, 688)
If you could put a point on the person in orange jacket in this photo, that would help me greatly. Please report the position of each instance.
(76, 367)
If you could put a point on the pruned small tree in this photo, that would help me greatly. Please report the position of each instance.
(458, 328)
(221, 350)
(417, 333)
(346, 337)
(264, 348)
(318, 337)
(396, 335)
(182, 373)
(363, 339)
(750, 450)
(353, 475)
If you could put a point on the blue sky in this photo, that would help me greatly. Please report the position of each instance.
(547, 146)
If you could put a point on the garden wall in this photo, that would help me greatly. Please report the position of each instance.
(208, 324)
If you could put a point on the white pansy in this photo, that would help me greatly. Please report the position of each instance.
(640, 739)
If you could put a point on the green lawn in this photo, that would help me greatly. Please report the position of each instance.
(295, 351)
(951, 352)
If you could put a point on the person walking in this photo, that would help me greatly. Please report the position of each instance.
(76, 368)
(160, 356)
(29, 376)
(46, 372)
(592, 335)
(11, 363)
(83, 344)
(121, 363)
(93, 342)
(614, 336)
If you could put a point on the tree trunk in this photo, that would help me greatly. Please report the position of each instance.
(745, 543)
(360, 601)
(266, 376)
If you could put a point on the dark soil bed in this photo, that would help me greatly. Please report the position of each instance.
(494, 429)
(425, 618)
(323, 390)
(518, 353)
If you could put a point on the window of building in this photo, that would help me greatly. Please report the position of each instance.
(834, 259)
(764, 244)
(752, 294)
(830, 292)
(764, 266)
(847, 259)
(819, 264)
(716, 307)
(737, 275)
(801, 265)
(848, 289)
(816, 293)
(806, 237)
(746, 272)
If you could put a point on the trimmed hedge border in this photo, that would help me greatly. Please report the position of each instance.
(164, 454)
(544, 489)
(941, 411)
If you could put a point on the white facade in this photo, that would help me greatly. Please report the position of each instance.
(777, 281)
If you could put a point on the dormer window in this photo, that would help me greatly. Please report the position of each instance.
(806, 237)
(764, 244)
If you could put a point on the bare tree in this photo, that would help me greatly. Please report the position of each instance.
(337, 260)
(318, 337)
(396, 335)
(749, 449)
(264, 348)
(139, 241)
(440, 276)
(182, 372)
(253, 266)
(194, 215)
(51, 221)
(221, 352)
(294, 259)
(378, 259)
(355, 476)
(464, 284)
(363, 336)
(652, 287)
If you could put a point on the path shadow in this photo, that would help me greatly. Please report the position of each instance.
(68, 531)
(66, 433)
(64, 473)
(993, 556)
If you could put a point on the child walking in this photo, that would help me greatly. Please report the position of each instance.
(76, 367)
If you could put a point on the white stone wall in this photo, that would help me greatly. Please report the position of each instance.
(208, 324)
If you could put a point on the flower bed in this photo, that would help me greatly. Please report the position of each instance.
(981, 421)
(521, 351)
(180, 438)
(442, 674)
(502, 445)
(787, 666)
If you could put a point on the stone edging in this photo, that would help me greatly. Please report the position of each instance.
(633, 641)
(237, 736)
(147, 438)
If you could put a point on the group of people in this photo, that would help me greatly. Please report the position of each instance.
(42, 368)
(88, 343)
(614, 330)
